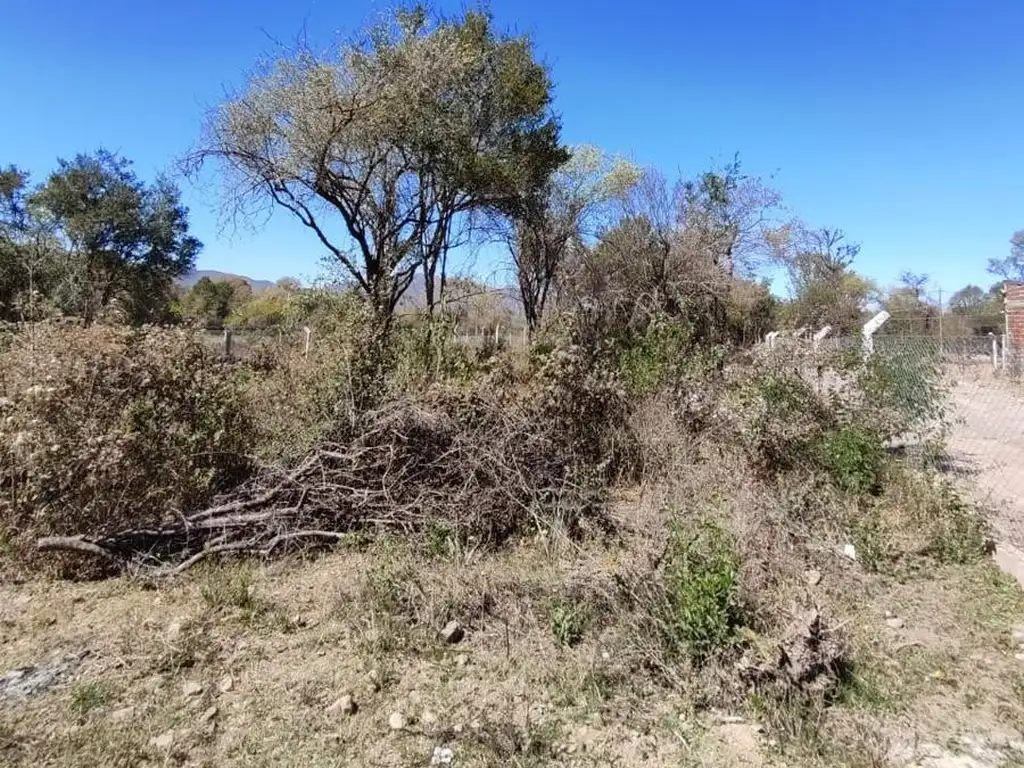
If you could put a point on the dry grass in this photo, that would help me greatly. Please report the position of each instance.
(551, 671)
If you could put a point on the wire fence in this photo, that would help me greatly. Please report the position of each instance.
(985, 404)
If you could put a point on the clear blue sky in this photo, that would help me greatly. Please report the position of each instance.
(900, 121)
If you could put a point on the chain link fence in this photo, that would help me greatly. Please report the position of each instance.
(985, 406)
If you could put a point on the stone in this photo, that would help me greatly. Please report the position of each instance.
(375, 678)
(396, 721)
(226, 684)
(123, 715)
(1019, 656)
(192, 688)
(476, 725)
(345, 705)
(850, 551)
(209, 714)
(813, 577)
(894, 623)
(461, 660)
(442, 756)
(452, 632)
(163, 742)
(1018, 637)
(174, 630)
(428, 718)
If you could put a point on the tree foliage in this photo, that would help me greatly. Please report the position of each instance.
(1011, 267)
(560, 216)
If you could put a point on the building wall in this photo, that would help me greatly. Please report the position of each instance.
(1014, 302)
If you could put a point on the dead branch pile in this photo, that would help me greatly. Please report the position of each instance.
(474, 466)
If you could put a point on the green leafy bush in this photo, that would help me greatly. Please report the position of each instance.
(105, 428)
(701, 610)
(853, 457)
(781, 419)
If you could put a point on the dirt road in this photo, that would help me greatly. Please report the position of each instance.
(987, 445)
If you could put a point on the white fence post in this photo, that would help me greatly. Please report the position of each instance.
(770, 339)
(227, 342)
(820, 336)
(309, 334)
(868, 332)
(995, 350)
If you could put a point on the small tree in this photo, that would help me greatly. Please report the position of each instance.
(559, 216)
(120, 238)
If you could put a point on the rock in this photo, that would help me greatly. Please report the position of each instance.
(894, 623)
(192, 688)
(452, 632)
(226, 684)
(813, 577)
(345, 705)
(428, 718)
(163, 742)
(888, 614)
(458, 728)
(461, 660)
(396, 721)
(442, 756)
(1019, 656)
(174, 630)
(375, 678)
(209, 714)
(123, 715)
(850, 551)
(1018, 637)
(475, 725)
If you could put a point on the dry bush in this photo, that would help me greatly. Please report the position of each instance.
(105, 428)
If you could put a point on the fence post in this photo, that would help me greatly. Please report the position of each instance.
(995, 350)
(227, 342)
(869, 329)
(309, 333)
(820, 336)
(1002, 347)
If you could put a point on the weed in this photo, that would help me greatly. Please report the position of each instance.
(853, 457)
(871, 539)
(568, 620)
(191, 646)
(702, 605)
(86, 697)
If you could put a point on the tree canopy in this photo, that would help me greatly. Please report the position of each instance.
(401, 134)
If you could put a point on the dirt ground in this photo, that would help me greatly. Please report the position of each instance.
(987, 445)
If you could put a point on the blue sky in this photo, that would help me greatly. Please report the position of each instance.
(899, 121)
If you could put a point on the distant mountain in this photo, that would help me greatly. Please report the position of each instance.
(194, 277)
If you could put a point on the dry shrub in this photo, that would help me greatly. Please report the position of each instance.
(105, 428)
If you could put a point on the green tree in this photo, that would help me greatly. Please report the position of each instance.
(1012, 267)
(967, 300)
(401, 136)
(560, 215)
(120, 237)
(826, 290)
(26, 250)
(210, 302)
